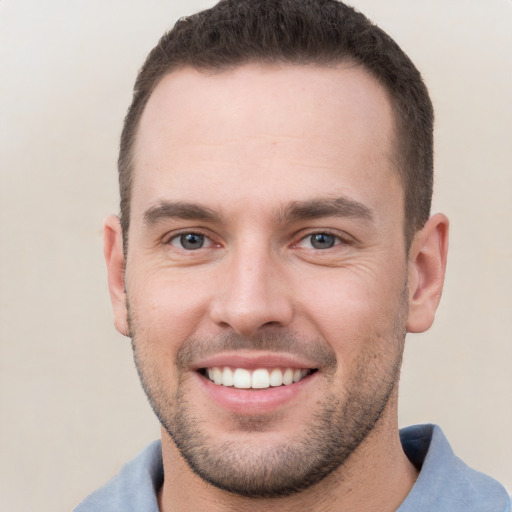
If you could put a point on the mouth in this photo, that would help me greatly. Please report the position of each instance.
(258, 378)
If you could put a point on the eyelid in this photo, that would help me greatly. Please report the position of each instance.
(342, 238)
(175, 235)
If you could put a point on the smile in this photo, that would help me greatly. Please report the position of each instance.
(260, 378)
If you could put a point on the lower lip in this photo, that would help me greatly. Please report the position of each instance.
(254, 401)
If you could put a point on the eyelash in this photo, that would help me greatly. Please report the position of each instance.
(197, 233)
(338, 239)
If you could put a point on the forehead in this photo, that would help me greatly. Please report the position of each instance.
(302, 129)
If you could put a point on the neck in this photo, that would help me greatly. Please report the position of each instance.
(377, 476)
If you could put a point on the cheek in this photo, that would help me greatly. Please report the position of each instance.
(350, 309)
(166, 309)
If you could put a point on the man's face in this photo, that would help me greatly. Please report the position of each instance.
(266, 245)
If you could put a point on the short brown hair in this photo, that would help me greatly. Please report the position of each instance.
(323, 32)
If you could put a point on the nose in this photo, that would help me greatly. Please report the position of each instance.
(253, 294)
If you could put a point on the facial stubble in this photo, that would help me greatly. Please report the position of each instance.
(342, 421)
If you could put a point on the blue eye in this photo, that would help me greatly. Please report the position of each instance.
(322, 240)
(189, 241)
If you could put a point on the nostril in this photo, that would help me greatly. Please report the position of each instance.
(273, 323)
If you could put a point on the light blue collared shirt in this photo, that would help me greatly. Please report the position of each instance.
(445, 483)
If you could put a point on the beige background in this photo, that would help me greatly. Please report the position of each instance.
(71, 410)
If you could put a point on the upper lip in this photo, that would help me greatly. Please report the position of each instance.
(253, 360)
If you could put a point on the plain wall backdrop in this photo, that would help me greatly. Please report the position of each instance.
(71, 408)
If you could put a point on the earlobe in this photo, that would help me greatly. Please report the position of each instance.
(114, 257)
(427, 265)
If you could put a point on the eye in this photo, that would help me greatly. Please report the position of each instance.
(320, 241)
(190, 241)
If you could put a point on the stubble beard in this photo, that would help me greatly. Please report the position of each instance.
(341, 423)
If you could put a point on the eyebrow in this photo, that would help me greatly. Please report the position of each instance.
(294, 211)
(178, 210)
(319, 208)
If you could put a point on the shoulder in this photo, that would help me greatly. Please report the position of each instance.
(134, 488)
(445, 482)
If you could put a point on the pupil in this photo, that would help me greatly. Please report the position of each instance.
(322, 241)
(192, 241)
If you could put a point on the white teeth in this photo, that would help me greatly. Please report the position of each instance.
(288, 377)
(242, 378)
(261, 378)
(217, 376)
(276, 377)
(227, 377)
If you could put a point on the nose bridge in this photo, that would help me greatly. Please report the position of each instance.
(252, 294)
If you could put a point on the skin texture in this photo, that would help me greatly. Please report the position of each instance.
(255, 161)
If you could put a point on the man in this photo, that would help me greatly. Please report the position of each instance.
(273, 249)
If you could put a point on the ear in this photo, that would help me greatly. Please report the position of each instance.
(427, 265)
(114, 257)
